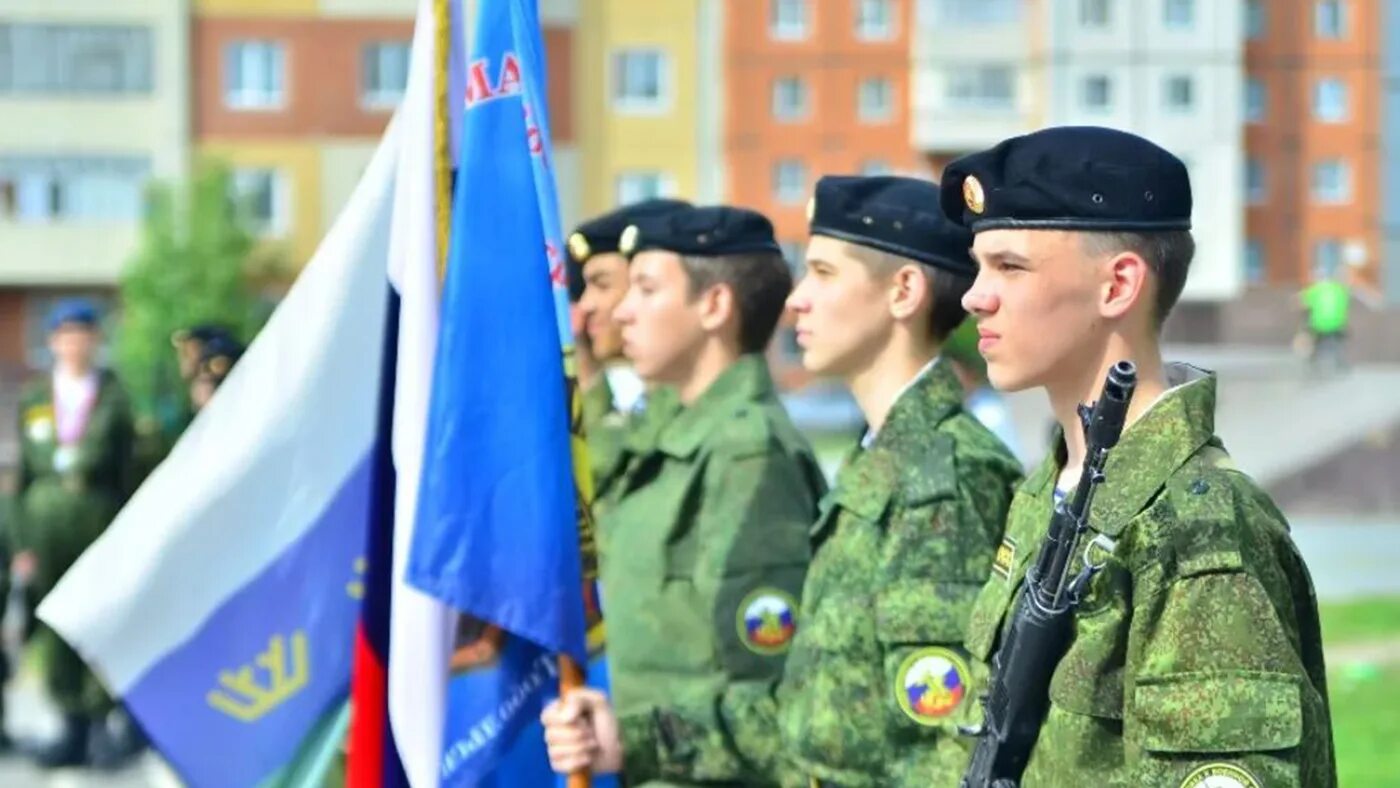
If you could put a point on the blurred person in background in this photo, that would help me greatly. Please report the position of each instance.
(76, 439)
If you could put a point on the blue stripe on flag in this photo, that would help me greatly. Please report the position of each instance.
(288, 601)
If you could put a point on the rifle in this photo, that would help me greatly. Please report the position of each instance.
(1042, 623)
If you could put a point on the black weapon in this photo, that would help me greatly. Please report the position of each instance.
(1018, 695)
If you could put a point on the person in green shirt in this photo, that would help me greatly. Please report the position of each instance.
(704, 534)
(76, 438)
(1326, 305)
(1195, 655)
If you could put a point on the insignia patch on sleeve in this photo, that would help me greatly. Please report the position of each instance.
(1005, 557)
(1220, 775)
(767, 621)
(931, 684)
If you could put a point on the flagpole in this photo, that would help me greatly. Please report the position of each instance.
(442, 128)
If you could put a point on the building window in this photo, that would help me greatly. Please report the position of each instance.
(1330, 100)
(874, 20)
(1180, 93)
(1330, 18)
(875, 100)
(81, 59)
(1179, 14)
(253, 74)
(1255, 19)
(787, 20)
(974, 13)
(1331, 182)
(790, 100)
(1327, 256)
(633, 187)
(640, 80)
(1096, 94)
(1254, 271)
(982, 87)
(1095, 13)
(263, 200)
(875, 167)
(1255, 101)
(383, 73)
(789, 182)
(1256, 187)
(72, 188)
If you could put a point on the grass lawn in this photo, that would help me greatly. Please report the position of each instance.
(1365, 695)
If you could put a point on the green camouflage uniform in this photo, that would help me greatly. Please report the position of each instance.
(903, 545)
(704, 544)
(1197, 656)
(62, 511)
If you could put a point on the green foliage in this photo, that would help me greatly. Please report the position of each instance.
(194, 266)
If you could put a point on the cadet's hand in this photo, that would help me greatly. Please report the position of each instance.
(580, 730)
(23, 565)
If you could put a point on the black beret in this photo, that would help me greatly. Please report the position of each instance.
(202, 333)
(218, 354)
(893, 214)
(711, 231)
(600, 235)
(1070, 178)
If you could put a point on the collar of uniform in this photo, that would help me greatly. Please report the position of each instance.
(928, 400)
(1174, 428)
(871, 475)
(746, 380)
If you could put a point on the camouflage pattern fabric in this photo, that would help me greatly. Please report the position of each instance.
(1197, 656)
(877, 679)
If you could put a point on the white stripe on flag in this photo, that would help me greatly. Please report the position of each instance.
(258, 466)
(420, 626)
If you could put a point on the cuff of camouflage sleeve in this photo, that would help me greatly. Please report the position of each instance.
(641, 757)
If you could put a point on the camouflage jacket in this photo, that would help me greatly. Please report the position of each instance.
(704, 543)
(66, 496)
(1197, 652)
(877, 678)
(604, 427)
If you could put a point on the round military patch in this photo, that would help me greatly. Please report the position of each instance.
(578, 247)
(1220, 775)
(973, 195)
(931, 684)
(767, 621)
(628, 241)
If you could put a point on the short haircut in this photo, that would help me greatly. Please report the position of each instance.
(761, 283)
(947, 288)
(1167, 253)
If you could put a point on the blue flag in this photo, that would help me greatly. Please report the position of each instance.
(497, 535)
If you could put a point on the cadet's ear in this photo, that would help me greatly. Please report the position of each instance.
(717, 306)
(1126, 283)
(908, 289)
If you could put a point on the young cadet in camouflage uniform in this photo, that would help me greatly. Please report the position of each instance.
(704, 536)
(877, 678)
(597, 284)
(1197, 658)
(75, 457)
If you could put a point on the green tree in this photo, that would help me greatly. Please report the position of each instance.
(197, 263)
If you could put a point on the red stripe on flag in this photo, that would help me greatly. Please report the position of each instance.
(369, 712)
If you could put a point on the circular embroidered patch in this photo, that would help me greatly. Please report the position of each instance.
(1220, 775)
(767, 621)
(931, 684)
